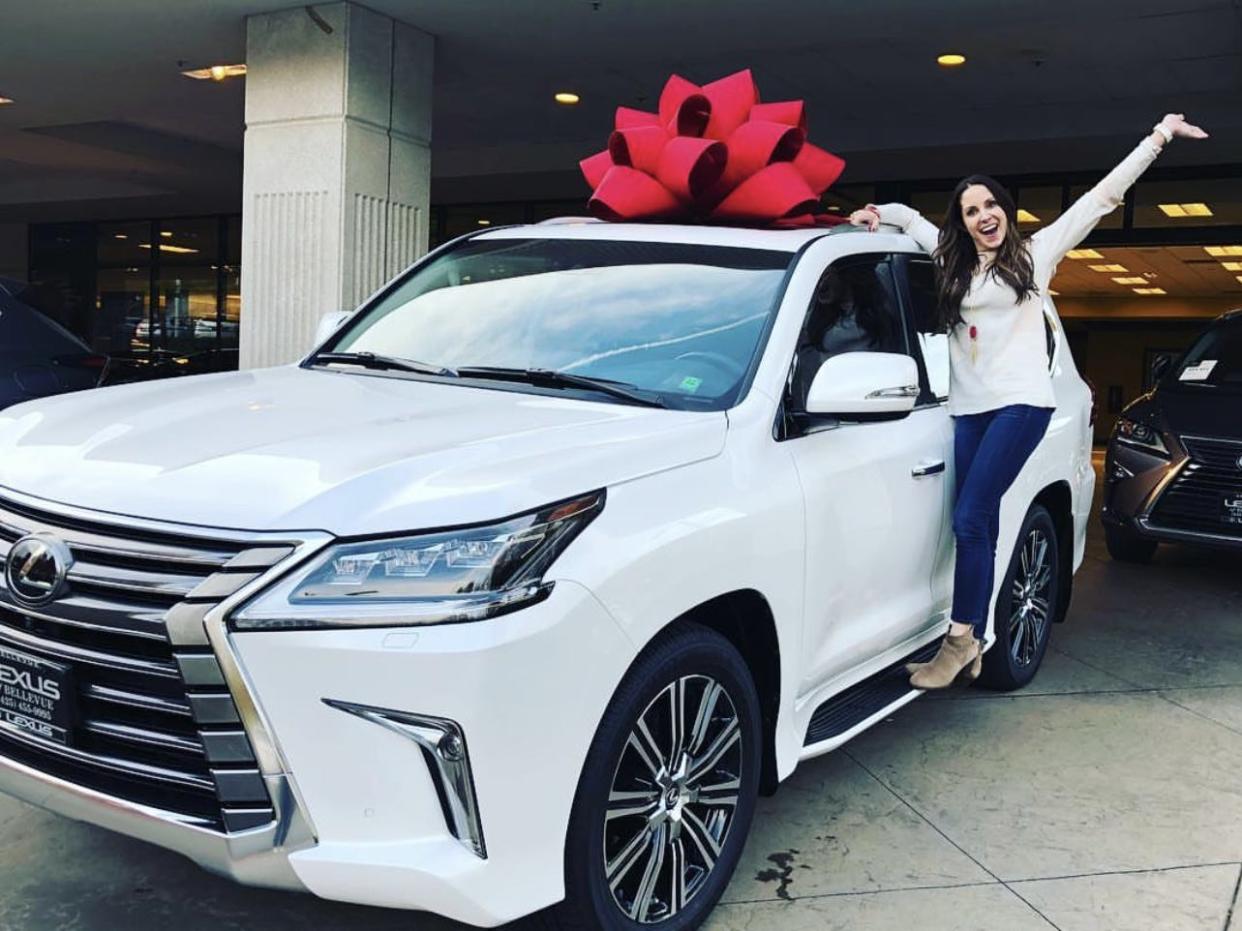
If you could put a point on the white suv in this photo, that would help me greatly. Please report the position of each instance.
(516, 592)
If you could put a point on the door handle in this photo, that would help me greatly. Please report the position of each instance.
(928, 468)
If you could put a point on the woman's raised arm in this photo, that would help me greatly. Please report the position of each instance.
(907, 219)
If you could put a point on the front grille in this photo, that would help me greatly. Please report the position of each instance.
(1195, 500)
(155, 723)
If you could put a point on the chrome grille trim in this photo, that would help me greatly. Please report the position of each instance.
(131, 574)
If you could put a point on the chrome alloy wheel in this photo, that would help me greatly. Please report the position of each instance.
(1028, 621)
(673, 798)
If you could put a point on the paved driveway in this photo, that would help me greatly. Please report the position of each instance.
(1107, 795)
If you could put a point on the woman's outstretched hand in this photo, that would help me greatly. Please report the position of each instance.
(868, 217)
(1177, 125)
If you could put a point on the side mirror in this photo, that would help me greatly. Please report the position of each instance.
(865, 383)
(329, 323)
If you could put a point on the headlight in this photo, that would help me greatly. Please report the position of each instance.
(1140, 436)
(465, 574)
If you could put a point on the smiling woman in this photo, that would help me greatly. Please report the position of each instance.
(681, 321)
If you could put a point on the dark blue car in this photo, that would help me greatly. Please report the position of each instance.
(38, 357)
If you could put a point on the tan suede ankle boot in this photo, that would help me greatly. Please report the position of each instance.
(960, 655)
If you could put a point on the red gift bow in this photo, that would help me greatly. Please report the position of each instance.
(712, 153)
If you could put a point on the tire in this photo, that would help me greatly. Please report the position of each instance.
(1127, 546)
(643, 836)
(1026, 605)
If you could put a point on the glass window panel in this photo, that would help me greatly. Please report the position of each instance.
(62, 274)
(187, 321)
(121, 325)
(233, 241)
(547, 209)
(932, 204)
(468, 218)
(122, 244)
(844, 199)
(1043, 203)
(1185, 201)
(189, 243)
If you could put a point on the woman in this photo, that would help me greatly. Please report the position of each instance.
(990, 284)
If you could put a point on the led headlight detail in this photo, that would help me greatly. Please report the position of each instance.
(1140, 436)
(463, 574)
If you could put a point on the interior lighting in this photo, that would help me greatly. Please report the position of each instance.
(1219, 252)
(1137, 279)
(1084, 254)
(1054, 293)
(1109, 268)
(216, 72)
(1186, 210)
(485, 222)
(5, 100)
(1025, 216)
(119, 236)
(1150, 291)
(169, 247)
(1232, 266)
(1239, 277)
(568, 98)
(950, 60)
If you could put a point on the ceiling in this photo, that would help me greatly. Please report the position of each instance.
(102, 114)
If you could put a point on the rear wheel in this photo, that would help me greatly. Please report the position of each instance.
(667, 793)
(1024, 608)
(1127, 546)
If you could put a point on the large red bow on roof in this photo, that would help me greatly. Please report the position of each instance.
(712, 153)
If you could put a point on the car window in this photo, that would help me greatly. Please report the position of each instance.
(1213, 363)
(933, 341)
(855, 309)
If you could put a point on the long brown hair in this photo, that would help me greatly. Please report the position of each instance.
(957, 256)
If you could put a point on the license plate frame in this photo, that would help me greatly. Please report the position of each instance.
(38, 697)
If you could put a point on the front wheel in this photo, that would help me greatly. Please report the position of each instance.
(667, 793)
(1024, 607)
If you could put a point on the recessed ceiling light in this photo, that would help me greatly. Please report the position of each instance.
(167, 247)
(167, 234)
(1239, 277)
(1149, 291)
(950, 60)
(569, 98)
(1109, 268)
(119, 236)
(1025, 216)
(484, 222)
(1084, 254)
(1054, 293)
(1186, 210)
(1137, 279)
(1220, 252)
(1232, 266)
(4, 100)
(216, 72)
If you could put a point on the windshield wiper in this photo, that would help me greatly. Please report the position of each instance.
(552, 379)
(372, 360)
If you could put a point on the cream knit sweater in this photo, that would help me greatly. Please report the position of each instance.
(1009, 362)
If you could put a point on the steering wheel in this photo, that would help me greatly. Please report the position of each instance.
(729, 366)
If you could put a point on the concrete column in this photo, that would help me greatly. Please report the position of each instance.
(14, 253)
(337, 167)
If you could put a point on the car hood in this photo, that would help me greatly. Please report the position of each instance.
(345, 452)
(1201, 412)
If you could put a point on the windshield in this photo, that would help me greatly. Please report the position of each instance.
(681, 321)
(1213, 362)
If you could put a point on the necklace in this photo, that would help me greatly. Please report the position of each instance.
(974, 343)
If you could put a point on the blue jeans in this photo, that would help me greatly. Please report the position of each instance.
(989, 451)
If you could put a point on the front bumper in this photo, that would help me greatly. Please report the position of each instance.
(527, 691)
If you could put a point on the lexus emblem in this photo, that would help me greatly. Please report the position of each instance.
(36, 568)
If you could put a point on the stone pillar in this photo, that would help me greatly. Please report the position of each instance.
(337, 168)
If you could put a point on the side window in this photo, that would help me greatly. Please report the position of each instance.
(935, 345)
(855, 310)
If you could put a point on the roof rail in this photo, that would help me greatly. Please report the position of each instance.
(568, 221)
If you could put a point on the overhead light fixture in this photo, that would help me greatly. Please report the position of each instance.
(168, 247)
(167, 234)
(1232, 266)
(216, 72)
(1186, 210)
(1219, 252)
(119, 236)
(1109, 268)
(1239, 277)
(1025, 216)
(6, 100)
(950, 60)
(1149, 291)
(485, 222)
(1137, 279)
(568, 98)
(1083, 254)
(1054, 293)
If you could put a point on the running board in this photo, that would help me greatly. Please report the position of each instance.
(851, 707)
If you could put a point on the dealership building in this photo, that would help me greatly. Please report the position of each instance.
(181, 180)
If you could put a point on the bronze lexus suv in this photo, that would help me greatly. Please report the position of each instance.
(1174, 466)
